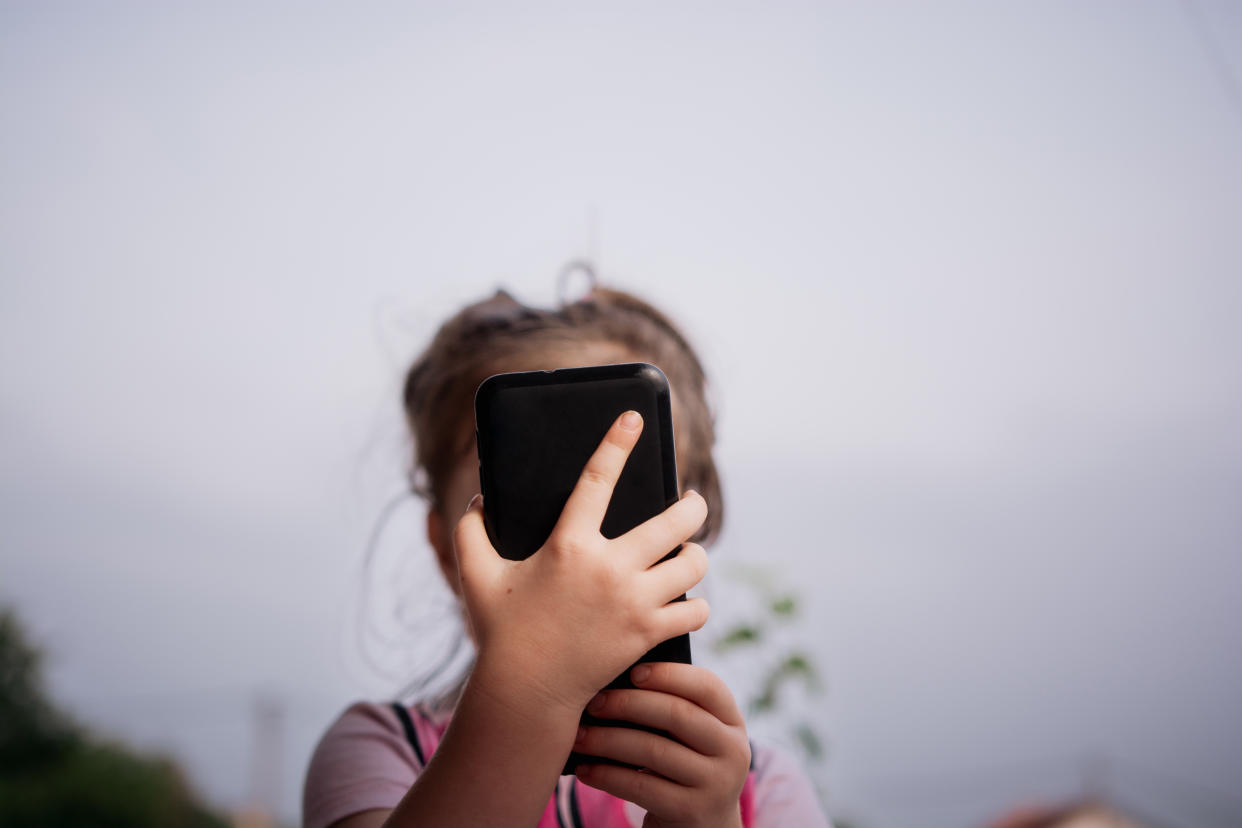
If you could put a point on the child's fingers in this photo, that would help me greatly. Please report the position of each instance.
(690, 724)
(658, 754)
(657, 536)
(689, 681)
(680, 617)
(588, 502)
(478, 563)
(679, 573)
(650, 792)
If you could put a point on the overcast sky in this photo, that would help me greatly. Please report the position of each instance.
(967, 280)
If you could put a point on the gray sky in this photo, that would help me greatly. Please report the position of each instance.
(967, 280)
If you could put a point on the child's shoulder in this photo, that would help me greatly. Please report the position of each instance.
(409, 732)
(372, 753)
(365, 760)
(783, 793)
(770, 761)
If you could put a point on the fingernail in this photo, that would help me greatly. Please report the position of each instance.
(630, 421)
(640, 673)
(473, 501)
(596, 704)
(689, 492)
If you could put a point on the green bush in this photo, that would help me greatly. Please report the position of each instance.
(54, 773)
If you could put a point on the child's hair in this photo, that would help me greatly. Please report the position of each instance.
(498, 335)
(501, 334)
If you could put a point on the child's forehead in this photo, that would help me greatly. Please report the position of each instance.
(595, 353)
(550, 356)
(557, 355)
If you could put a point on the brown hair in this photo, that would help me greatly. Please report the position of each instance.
(500, 334)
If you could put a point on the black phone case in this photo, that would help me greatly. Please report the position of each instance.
(535, 430)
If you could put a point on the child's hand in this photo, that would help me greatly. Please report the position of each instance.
(561, 624)
(694, 783)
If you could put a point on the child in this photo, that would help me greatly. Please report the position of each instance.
(553, 629)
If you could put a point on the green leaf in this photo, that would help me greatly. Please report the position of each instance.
(738, 636)
(810, 741)
(786, 606)
(765, 701)
(799, 665)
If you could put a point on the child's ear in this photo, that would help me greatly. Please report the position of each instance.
(441, 540)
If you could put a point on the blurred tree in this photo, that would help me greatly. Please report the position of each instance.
(32, 732)
(54, 773)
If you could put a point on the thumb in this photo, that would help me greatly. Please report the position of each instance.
(478, 563)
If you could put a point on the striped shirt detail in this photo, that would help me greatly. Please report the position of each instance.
(411, 734)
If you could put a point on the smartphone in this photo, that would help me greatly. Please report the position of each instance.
(535, 431)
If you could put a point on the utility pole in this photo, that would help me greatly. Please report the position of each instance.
(266, 738)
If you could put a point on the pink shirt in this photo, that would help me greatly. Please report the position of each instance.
(366, 761)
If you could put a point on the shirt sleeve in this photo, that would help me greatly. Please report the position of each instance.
(362, 762)
(784, 795)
